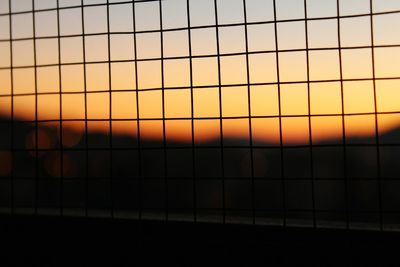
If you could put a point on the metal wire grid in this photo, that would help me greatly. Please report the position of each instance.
(192, 145)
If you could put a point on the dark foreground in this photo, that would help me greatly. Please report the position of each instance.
(58, 241)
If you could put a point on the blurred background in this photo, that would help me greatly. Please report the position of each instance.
(258, 111)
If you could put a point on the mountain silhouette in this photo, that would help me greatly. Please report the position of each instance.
(339, 182)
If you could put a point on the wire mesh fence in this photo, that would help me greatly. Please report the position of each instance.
(232, 111)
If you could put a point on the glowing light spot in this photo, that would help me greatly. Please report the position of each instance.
(5, 163)
(43, 140)
(72, 133)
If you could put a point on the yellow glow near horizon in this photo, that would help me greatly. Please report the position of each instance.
(321, 98)
(325, 100)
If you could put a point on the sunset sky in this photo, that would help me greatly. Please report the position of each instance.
(234, 87)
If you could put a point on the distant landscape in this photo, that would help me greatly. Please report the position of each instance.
(145, 178)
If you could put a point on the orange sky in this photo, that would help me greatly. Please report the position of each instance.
(325, 97)
(325, 100)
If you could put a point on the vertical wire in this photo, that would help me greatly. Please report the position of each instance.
(377, 141)
(163, 115)
(137, 114)
(345, 175)
(220, 113)
(253, 207)
(310, 139)
(86, 112)
(192, 112)
(110, 110)
(280, 119)
(60, 114)
(12, 174)
(36, 108)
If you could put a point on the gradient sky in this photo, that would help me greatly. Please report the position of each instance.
(325, 95)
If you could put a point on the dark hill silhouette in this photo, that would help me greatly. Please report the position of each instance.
(138, 179)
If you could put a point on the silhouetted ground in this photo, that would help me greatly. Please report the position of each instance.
(61, 241)
(339, 185)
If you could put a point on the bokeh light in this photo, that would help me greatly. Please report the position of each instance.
(5, 163)
(39, 140)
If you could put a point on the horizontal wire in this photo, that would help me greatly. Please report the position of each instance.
(5, 120)
(205, 178)
(194, 27)
(207, 56)
(203, 86)
(277, 210)
(203, 147)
